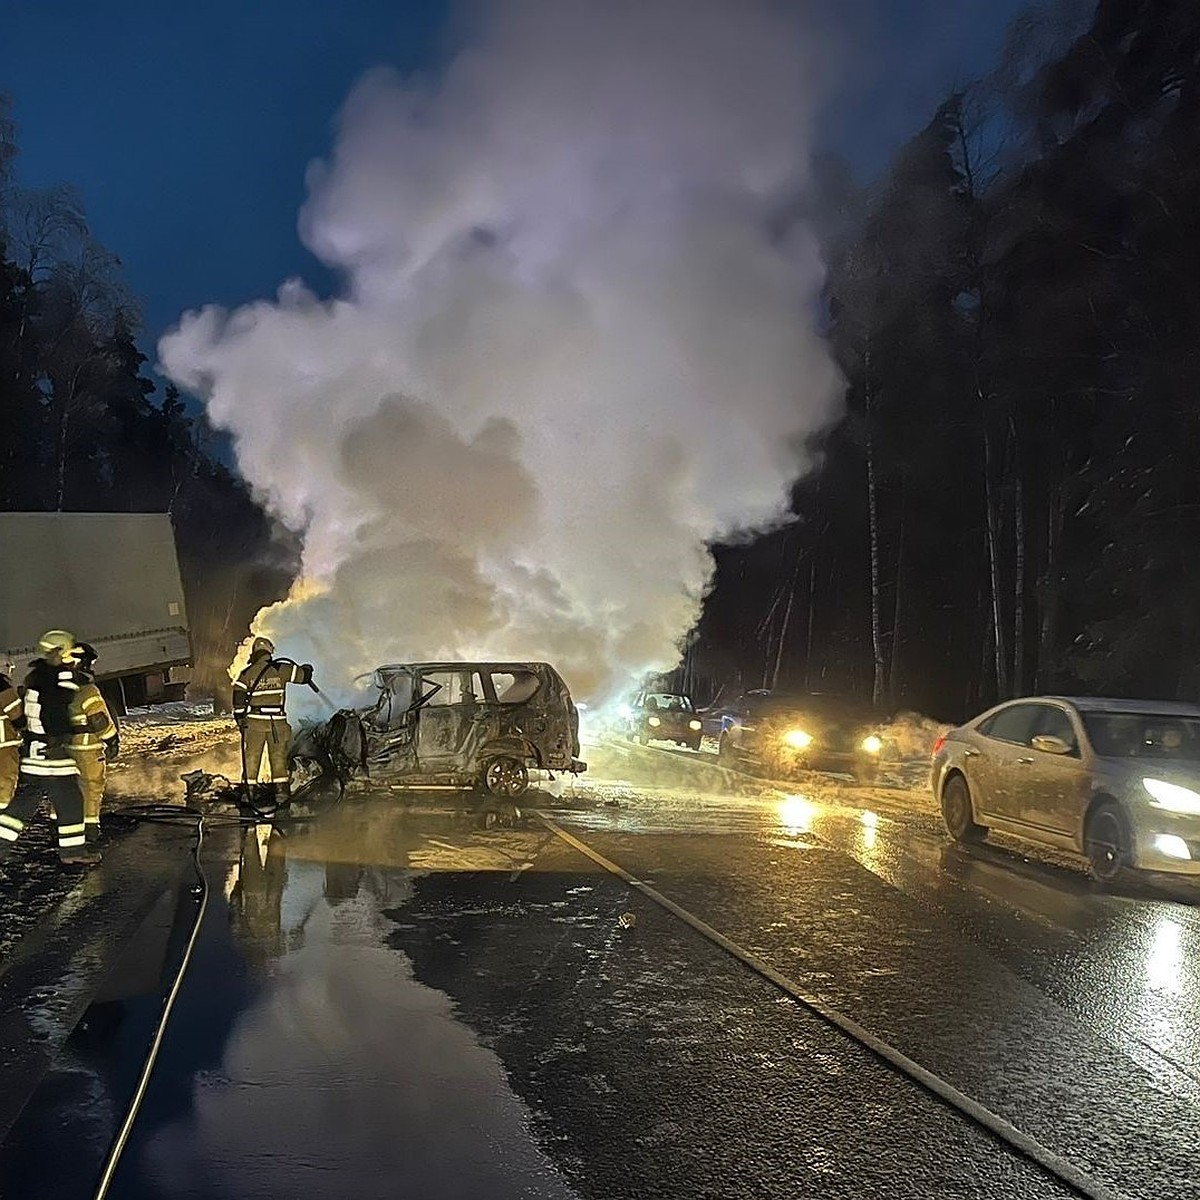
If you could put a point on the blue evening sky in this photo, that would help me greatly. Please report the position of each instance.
(187, 127)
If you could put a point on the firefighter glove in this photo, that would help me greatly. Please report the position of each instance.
(306, 671)
(239, 719)
(112, 748)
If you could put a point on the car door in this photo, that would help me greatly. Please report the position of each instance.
(1056, 784)
(447, 717)
(997, 771)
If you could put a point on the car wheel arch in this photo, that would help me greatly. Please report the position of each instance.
(509, 748)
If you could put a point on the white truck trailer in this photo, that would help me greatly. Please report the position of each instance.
(113, 580)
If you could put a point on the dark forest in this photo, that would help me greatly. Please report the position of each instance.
(1012, 503)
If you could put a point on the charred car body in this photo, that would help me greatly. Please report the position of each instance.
(455, 724)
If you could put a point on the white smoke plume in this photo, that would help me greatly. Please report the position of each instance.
(575, 342)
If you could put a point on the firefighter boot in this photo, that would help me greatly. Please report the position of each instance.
(79, 856)
(91, 833)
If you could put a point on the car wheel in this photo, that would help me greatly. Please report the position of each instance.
(694, 744)
(956, 811)
(506, 777)
(1107, 843)
(643, 738)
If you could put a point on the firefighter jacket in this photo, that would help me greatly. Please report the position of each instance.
(259, 691)
(91, 722)
(51, 706)
(12, 715)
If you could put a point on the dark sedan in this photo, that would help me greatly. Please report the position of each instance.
(783, 732)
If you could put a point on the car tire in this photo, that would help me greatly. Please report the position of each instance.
(643, 738)
(694, 744)
(505, 777)
(1107, 844)
(957, 813)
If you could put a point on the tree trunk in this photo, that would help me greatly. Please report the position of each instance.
(1018, 674)
(1049, 590)
(880, 663)
(808, 641)
(64, 422)
(783, 630)
(992, 501)
(894, 672)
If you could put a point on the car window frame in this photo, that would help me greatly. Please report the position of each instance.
(1076, 751)
(983, 731)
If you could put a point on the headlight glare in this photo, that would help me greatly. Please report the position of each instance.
(798, 739)
(654, 722)
(872, 744)
(1172, 797)
(695, 725)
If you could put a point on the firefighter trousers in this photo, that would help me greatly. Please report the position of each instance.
(66, 799)
(93, 770)
(10, 767)
(265, 743)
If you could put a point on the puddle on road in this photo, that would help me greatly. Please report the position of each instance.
(303, 1059)
(342, 1072)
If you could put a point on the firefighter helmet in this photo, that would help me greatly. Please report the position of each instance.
(57, 643)
(261, 645)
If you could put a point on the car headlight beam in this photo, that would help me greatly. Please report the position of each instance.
(1172, 797)
(695, 726)
(797, 739)
(654, 722)
(872, 744)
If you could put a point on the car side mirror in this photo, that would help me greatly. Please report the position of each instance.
(1049, 744)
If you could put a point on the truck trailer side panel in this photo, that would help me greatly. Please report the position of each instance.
(112, 579)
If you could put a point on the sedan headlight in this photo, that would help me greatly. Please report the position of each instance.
(654, 722)
(695, 725)
(872, 744)
(798, 739)
(1173, 797)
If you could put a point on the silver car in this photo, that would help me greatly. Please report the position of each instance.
(1115, 780)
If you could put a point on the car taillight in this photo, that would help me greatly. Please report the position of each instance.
(938, 745)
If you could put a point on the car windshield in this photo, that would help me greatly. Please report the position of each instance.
(1144, 735)
(834, 707)
(671, 703)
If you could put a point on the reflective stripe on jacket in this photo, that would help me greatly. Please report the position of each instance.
(259, 692)
(90, 719)
(51, 705)
(12, 714)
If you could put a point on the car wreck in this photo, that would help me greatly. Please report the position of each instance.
(450, 724)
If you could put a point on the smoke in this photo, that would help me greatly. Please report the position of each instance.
(575, 341)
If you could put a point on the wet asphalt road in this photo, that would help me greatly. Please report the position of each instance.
(394, 1001)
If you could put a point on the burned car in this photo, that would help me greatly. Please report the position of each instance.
(452, 724)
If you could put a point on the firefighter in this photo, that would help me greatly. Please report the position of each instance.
(51, 708)
(259, 695)
(12, 721)
(95, 742)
